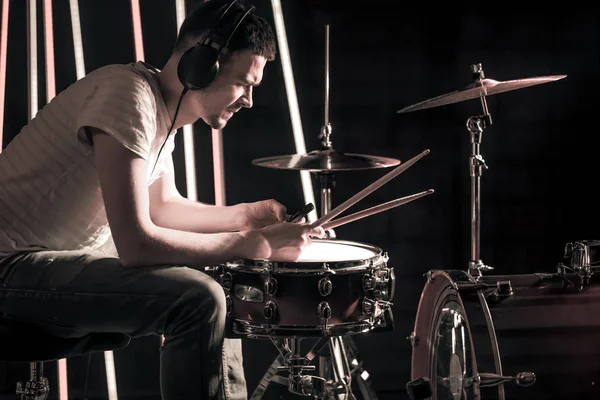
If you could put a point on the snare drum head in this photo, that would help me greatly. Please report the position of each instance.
(336, 250)
(322, 254)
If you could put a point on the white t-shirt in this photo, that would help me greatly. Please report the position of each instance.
(50, 197)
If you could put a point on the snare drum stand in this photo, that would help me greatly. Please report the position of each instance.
(476, 125)
(341, 365)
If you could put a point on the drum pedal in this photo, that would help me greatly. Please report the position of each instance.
(419, 389)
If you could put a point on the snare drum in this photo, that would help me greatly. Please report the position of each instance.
(334, 288)
(529, 336)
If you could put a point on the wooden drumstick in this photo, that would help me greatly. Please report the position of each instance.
(374, 210)
(367, 191)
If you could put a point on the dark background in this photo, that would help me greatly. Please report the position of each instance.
(538, 193)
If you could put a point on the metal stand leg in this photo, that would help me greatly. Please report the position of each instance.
(361, 376)
(347, 368)
(37, 388)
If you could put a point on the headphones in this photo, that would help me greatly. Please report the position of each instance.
(199, 65)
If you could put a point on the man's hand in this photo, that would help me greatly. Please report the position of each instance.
(260, 214)
(282, 241)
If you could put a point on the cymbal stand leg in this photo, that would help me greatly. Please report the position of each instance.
(476, 125)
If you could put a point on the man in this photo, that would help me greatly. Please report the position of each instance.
(94, 236)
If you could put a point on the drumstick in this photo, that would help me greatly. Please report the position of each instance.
(367, 191)
(374, 210)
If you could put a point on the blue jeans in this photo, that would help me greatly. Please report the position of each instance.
(73, 293)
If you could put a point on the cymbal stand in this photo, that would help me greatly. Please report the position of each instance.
(338, 366)
(475, 126)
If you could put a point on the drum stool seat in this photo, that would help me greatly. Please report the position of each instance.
(22, 342)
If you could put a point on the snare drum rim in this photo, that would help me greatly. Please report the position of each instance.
(311, 267)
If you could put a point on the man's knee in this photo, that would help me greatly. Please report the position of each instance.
(202, 296)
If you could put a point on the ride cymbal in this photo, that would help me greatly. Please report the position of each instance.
(483, 87)
(326, 161)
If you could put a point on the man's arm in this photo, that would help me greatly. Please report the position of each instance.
(169, 209)
(139, 241)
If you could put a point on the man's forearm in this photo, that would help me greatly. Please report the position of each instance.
(187, 215)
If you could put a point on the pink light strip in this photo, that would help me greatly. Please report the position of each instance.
(218, 167)
(49, 42)
(3, 53)
(137, 30)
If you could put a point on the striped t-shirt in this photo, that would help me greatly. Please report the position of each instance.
(50, 197)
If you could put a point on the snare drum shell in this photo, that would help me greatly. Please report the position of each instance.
(297, 299)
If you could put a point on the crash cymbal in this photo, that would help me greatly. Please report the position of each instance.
(328, 160)
(483, 87)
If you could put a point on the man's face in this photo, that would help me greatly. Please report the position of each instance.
(230, 91)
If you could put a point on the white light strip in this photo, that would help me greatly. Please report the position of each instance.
(188, 130)
(290, 87)
(32, 57)
(190, 162)
(63, 380)
(77, 42)
(3, 54)
(111, 376)
(179, 13)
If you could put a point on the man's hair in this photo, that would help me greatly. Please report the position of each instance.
(254, 33)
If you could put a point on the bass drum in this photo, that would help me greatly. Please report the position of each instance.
(529, 336)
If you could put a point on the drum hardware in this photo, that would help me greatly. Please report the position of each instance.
(523, 379)
(248, 293)
(296, 364)
(496, 292)
(456, 382)
(583, 256)
(419, 389)
(480, 88)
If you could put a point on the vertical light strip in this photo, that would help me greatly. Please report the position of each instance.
(63, 380)
(32, 69)
(218, 167)
(111, 376)
(290, 87)
(188, 130)
(77, 42)
(137, 30)
(3, 54)
(49, 51)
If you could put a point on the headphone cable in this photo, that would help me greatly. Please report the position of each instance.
(170, 129)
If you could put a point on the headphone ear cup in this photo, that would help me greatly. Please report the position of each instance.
(198, 67)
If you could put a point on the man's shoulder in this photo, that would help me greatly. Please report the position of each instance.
(124, 71)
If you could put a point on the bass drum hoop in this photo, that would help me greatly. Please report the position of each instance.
(440, 289)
